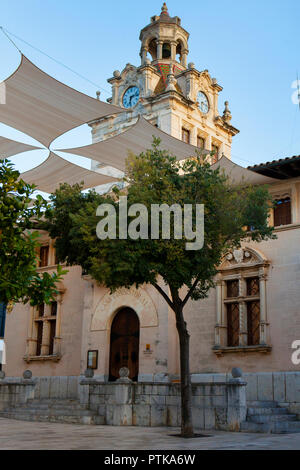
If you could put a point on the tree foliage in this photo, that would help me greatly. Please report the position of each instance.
(19, 279)
(156, 178)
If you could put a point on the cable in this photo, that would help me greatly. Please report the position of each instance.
(3, 31)
(47, 55)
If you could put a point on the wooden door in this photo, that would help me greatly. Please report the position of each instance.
(124, 344)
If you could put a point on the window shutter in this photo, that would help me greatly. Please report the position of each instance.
(282, 212)
(44, 254)
(233, 324)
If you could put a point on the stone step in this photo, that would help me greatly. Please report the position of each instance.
(266, 411)
(284, 427)
(71, 419)
(271, 418)
(57, 401)
(53, 412)
(262, 404)
(51, 406)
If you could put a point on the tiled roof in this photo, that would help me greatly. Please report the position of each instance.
(283, 168)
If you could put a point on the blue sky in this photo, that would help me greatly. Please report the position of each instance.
(250, 46)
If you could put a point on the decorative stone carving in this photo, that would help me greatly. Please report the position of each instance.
(124, 375)
(238, 255)
(124, 372)
(227, 114)
(27, 374)
(243, 258)
(236, 372)
(138, 299)
(171, 82)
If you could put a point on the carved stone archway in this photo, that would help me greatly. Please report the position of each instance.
(137, 299)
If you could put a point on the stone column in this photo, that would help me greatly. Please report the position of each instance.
(219, 313)
(143, 55)
(221, 326)
(173, 50)
(243, 336)
(115, 93)
(208, 143)
(243, 339)
(193, 136)
(31, 335)
(46, 332)
(184, 57)
(57, 339)
(263, 307)
(159, 49)
(221, 150)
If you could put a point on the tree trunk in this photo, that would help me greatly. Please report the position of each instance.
(187, 429)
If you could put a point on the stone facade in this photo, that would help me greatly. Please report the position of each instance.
(86, 310)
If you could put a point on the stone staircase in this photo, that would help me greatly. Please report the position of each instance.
(269, 417)
(53, 410)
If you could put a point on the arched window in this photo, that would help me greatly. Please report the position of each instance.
(152, 48)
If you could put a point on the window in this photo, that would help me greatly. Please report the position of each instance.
(200, 142)
(185, 135)
(282, 212)
(215, 149)
(232, 288)
(241, 308)
(44, 255)
(45, 325)
(250, 302)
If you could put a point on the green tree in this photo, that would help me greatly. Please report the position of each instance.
(19, 279)
(155, 177)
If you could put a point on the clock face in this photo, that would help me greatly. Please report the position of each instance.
(131, 97)
(203, 102)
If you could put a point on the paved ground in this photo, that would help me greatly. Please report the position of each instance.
(28, 435)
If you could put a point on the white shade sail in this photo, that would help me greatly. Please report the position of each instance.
(55, 170)
(10, 147)
(44, 108)
(238, 174)
(137, 138)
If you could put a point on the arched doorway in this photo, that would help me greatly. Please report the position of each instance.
(124, 344)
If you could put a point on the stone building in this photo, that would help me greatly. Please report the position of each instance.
(250, 320)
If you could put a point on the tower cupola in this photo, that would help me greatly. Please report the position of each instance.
(165, 41)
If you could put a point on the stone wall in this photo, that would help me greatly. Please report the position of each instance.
(283, 387)
(61, 387)
(13, 393)
(215, 405)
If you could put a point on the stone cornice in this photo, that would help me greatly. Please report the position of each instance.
(259, 348)
(225, 126)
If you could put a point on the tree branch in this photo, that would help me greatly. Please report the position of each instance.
(188, 295)
(162, 292)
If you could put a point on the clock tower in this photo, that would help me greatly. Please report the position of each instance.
(169, 92)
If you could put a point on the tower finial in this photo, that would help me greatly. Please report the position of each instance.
(227, 114)
(164, 9)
